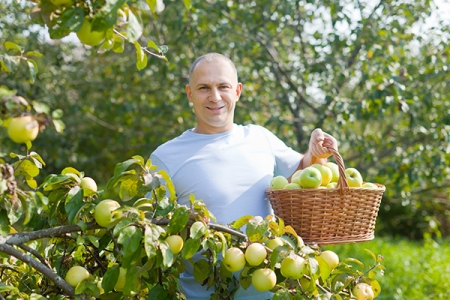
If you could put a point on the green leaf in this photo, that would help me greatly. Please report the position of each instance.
(141, 56)
(59, 125)
(152, 44)
(324, 267)
(152, 5)
(119, 44)
(169, 184)
(134, 29)
(57, 113)
(179, 220)
(197, 232)
(150, 236)
(34, 53)
(128, 189)
(26, 167)
(187, 3)
(6, 288)
(158, 292)
(167, 255)
(33, 68)
(38, 161)
(71, 170)
(241, 222)
(74, 203)
(278, 254)
(110, 278)
(12, 46)
(202, 270)
(164, 207)
(121, 167)
(191, 246)
(130, 238)
(256, 230)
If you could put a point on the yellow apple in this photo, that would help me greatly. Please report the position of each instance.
(120, 284)
(273, 243)
(104, 212)
(255, 254)
(293, 266)
(326, 173)
(353, 177)
(334, 170)
(278, 182)
(89, 186)
(363, 291)
(234, 259)
(23, 129)
(332, 185)
(89, 37)
(76, 274)
(264, 279)
(175, 243)
(330, 257)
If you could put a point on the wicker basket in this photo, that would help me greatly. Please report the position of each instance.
(329, 216)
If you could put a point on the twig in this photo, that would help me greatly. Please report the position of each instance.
(35, 253)
(49, 273)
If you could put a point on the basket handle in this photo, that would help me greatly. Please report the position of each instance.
(342, 181)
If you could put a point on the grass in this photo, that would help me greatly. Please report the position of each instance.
(414, 270)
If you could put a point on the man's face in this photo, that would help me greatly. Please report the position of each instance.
(214, 91)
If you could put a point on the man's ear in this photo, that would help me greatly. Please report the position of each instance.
(238, 90)
(188, 92)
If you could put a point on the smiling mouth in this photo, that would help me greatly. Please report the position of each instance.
(215, 108)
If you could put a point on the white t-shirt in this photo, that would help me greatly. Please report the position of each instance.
(230, 172)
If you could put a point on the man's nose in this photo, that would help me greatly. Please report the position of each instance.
(215, 94)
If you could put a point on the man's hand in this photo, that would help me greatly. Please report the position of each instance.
(320, 142)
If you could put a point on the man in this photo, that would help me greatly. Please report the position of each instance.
(228, 166)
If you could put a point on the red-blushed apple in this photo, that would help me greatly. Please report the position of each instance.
(278, 182)
(310, 178)
(293, 266)
(334, 170)
(105, 214)
(326, 173)
(23, 129)
(363, 291)
(234, 259)
(264, 279)
(76, 274)
(255, 254)
(353, 177)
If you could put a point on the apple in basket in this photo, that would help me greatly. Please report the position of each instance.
(278, 182)
(354, 178)
(334, 170)
(369, 185)
(310, 178)
(326, 173)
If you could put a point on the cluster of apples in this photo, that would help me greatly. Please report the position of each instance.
(320, 176)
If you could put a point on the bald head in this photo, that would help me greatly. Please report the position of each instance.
(211, 57)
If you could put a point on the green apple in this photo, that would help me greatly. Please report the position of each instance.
(23, 129)
(105, 214)
(369, 185)
(310, 178)
(296, 176)
(326, 173)
(76, 274)
(89, 186)
(278, 182)
(334, 170)
(273, 243)
(234, 259)
(264, 279)
(255, 254)
(353, 177)
(175, 243)
(89, 37)
(332, 185)
(330, 257)
(292, 186)
(120, 284)
(293, 266)
(363, 291)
